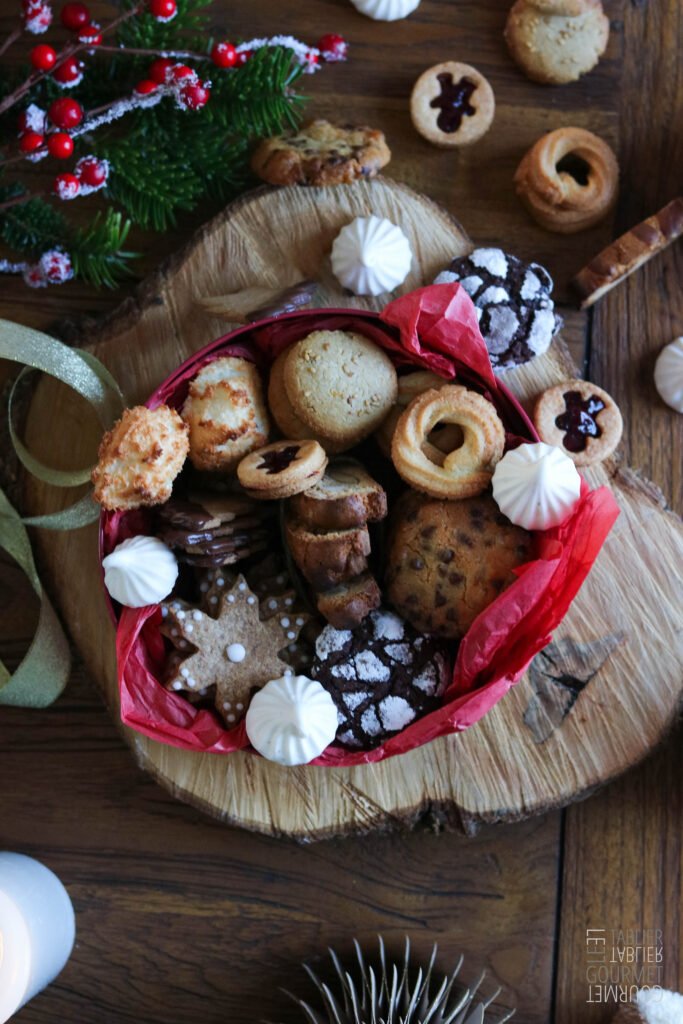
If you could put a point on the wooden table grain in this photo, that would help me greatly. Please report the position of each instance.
(180, 917)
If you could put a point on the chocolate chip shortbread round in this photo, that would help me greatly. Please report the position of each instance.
(513, 303)
(321, 153)
(382, 676)
(340, 384)
(448, 560)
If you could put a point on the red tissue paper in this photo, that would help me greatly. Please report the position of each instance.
(434, 328)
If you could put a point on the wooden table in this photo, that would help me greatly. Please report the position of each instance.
(179, 917)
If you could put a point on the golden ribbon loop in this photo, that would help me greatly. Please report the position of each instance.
(45, 668)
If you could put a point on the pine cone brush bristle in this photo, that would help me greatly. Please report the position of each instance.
(394, 991)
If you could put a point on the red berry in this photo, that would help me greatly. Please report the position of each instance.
(180, 71)
(43, 57)
(67, 186)
(65, 113)
(145, 87)
(91, 35)
(333, 47)
(68, 73)
(75, 16)
(163, 10)
(91, 171)
(194, 97)
(60, 145)
(224, 55)
(158, 68)
(31, 141)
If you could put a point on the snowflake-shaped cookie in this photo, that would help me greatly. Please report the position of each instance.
(236, 652)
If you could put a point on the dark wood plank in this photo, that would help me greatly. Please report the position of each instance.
(623, 848)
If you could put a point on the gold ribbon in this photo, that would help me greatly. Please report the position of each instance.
(44, 670)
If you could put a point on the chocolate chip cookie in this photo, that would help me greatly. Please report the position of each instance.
(321, 153)
(448, 560)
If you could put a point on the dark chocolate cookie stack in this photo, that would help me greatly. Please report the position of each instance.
(382, 676)
(213, 530)
(512, 298)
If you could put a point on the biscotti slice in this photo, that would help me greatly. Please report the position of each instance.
(328, 558)
(346, 606)
(345, 498)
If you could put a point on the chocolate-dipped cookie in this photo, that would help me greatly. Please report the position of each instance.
(513, 303)
(208, 531)
(382, 676)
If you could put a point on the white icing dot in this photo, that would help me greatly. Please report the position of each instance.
(197, 615)
(226, 705)
(291, 635)
(189, 628)
(231, 718)
(272, 603)
(231, 598)
(289, 601)
(177, 685)
(220, 582)
(242, 586)
(185, 672)
(299, 621)
(164, 611)
(213, 599)
(192, 683)
(251, 599)
(182, 643)
(174, 632)
(284, 622)
(204, 587)
(236, 652)
(181, 615)
(240, 707)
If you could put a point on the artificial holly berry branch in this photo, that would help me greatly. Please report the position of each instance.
(185, 113)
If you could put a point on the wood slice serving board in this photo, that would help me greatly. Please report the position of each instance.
(593, 703)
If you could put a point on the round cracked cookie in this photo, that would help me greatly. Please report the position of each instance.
(321, 153)
(513, 303)
(452, 104)
(557, 41)
(448, 560)
(382, 676)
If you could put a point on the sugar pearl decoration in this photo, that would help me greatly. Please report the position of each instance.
(140, 571)
(236, 652)
(386, 10)
(371, 256)
(536, 486)
(669, 374)
(291, 720)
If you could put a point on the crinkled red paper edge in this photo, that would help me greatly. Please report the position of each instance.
(437, 328)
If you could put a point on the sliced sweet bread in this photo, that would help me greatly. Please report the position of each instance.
(346, 497)
(328, 558)
(345, 606)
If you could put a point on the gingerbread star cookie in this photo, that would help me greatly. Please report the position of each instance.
(236, 652)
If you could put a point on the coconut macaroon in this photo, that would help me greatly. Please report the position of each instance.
(226, 413)
(139, 458)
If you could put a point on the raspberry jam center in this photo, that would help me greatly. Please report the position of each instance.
(454, 102)
(278, 460)
(579, 421)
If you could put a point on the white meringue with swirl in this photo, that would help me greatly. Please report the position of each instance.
(669, 374)
(536, 486)
(291, 720)
(386, 10)
(140, 571)
(371, 256)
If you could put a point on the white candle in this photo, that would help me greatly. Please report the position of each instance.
(37, 930)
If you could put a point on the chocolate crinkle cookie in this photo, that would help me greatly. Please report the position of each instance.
(382, 676)
(512, 298)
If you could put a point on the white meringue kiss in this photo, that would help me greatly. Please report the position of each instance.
(386, 10)
(140, 571)
(536, 486)
(669, 374)
(291, 720)
(371, 256)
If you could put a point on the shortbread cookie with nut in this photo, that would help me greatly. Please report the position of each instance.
(340, 384)
(321, 153)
